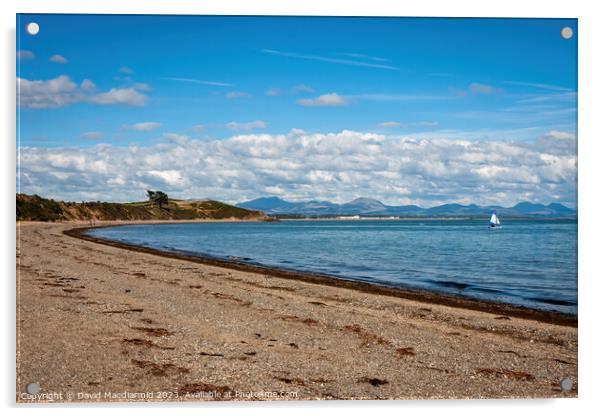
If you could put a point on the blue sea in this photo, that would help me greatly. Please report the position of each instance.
(532, 263)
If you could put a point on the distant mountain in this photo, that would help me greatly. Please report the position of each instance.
(364, 206)
(369, 206)
(268, 204)
(275, 205)
(539, 209)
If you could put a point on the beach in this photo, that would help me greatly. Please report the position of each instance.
(98, 322)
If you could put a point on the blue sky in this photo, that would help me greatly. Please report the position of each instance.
(151, 82)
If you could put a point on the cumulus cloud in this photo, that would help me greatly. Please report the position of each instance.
(87, 85)
(62, 91)
(333, 166)
(53, 93)
(25, 54)
(560, 135)
(326, 100)
(143, 126)
(180, 139)
(170, 177)
(127, 96)
(58, 59)
(251, 125)
(295, 132)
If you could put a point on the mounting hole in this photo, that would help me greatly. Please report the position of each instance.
(566, 384)
(32, 388)
(566, 32)
(32, 28)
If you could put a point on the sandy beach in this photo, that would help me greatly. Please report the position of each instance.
(104, 323)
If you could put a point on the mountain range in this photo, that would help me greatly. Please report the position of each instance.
(368, 206)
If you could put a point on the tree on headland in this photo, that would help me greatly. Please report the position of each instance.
(157, 197)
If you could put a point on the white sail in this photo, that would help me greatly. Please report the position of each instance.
(494, 219)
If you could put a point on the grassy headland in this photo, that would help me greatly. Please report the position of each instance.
(37, 208)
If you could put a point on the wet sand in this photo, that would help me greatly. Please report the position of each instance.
(98, 322)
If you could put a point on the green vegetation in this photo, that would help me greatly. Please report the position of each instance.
(36, 208)
(158, 198)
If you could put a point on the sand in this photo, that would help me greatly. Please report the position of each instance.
(104, 323)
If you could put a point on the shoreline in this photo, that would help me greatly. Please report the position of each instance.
(500, 308)
(114, 319)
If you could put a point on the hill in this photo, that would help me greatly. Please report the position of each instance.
(36, 208)
(372, 207)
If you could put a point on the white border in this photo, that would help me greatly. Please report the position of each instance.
(590, 178)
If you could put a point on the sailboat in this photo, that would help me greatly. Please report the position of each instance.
(494, 221)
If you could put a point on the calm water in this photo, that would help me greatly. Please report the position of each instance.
(529, 263)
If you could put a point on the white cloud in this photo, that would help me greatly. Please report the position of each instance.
(389, 124)
(118, 180)
(328, 59)
(238, 94)
(569, 97)
(257, 124)
(295, 132)
(127, 96)
(538, 86)
(394, 124)
(58, 59)
(53, 93)
(62, 91)
(25, 54)
(170, 177)
(126, 70)
(180, 139)
(197, 128)
(200, 81)
(143, 126)
(560, 135)
(298, 165)
(87, 85)
(91, 135)
(364, 56)
(326, 100)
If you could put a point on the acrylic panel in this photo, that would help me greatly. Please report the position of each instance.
(295, 208)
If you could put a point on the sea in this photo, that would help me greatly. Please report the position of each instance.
(530, 263)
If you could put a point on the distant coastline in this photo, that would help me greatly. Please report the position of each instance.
(368, 207)
(38, 208)
(370, 218)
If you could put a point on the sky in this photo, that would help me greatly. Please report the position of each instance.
(405, 110)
